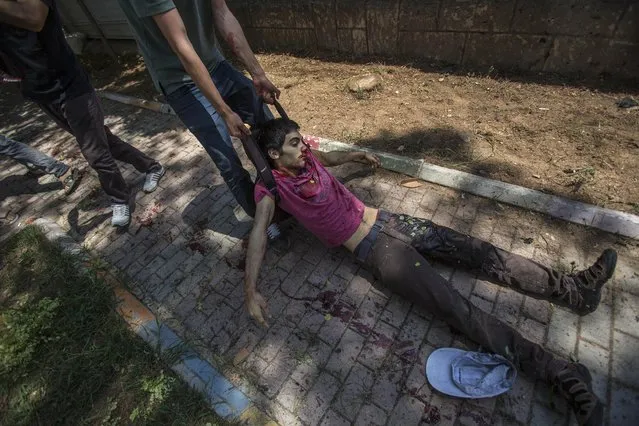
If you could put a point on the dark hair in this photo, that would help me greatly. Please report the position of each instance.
(271, 135)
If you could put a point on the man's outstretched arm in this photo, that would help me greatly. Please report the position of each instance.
(232, 33)
(255, 303)
(26, 14)
(172, 27)
(336, 158)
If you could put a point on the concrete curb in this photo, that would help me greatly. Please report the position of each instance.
(227, 400)
(608, 220)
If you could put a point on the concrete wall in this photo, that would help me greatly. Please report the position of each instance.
(565, 36)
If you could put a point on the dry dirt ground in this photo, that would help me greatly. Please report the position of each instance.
(558, 135)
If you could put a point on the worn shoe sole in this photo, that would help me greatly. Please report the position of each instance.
(76, 177)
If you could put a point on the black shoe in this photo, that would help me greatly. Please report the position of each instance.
(573, 381)
(590, 281)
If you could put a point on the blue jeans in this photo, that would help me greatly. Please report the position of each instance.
(199, 116)
(31, 157)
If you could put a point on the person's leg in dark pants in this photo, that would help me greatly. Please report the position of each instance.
(199, 116)
(83, 117)
(580, 292)
(405, 271)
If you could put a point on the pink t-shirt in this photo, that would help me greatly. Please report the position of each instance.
(318, 201)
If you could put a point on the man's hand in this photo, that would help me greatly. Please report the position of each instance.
(371, 159)
(265, 89)
(235, 125)
(257, 308)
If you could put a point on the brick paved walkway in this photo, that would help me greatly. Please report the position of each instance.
(339, 349)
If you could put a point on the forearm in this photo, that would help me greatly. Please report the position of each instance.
(336, 158)
(254, 257)
(196, 69)
(27, 14)
(234, 37)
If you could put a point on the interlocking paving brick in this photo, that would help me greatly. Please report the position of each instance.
(543, 416)
(517, 401)
(627, 313)
(370, 415)
(625, 362)
(448, 407)
(354, 392)
(357, 290)
(548, 398)
(332, 330)
(377, 345)
(388, 383)
(291, 395)
(411, 335)
(508, 305)
(627, 275)
(473, 415)
(562, 332)
(623, 407)
(318, 398)
(486, 290)
(173, 264)
(324, 270)
(272, 342)
(536, 309)
(345, 354)
(483, 304)
(463, 281)
(367, 313)
(408, 411)
(331, 418)
(416, 384)
(282, 415)
(533, 330)
(439, 334)
(396, 310)
(347, 268)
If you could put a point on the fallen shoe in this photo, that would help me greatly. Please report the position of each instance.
(467, 374)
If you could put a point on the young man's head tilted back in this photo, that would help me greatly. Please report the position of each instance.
(281, 143)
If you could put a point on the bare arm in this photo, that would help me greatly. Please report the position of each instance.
(255, 303)
(27, 14)
(336, 158)
(172, 27)
(232, 33)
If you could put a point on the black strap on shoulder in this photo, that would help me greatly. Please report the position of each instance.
(259, 159)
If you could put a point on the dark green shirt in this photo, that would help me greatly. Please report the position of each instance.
(163, 64)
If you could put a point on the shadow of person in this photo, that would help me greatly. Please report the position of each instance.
(25, 184)
(82, 228)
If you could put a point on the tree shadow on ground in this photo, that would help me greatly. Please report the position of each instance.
(445, 144)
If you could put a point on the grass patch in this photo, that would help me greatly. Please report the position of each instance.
(66, 357)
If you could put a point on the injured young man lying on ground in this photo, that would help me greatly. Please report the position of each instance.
(396, 249)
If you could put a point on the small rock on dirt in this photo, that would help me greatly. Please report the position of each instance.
(365, 82)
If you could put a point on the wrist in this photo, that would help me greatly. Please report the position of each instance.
(257, 73)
